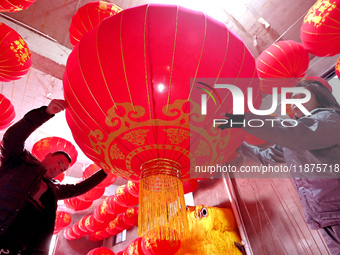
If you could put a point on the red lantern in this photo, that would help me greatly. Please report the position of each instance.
(152, 246)
(133, 130)
(120, 223)
(15, 58)
(134, 248)
(7, 113)
(113, 207)
(102, 214)
(100, 251)
(112, 228)
(283, 64)
(131, 216)
(95, 236)
(62, 219)
(82, 224)
(337, 68)
(91, 169)
(124, 198)
(60, 177)
(320, 28)
(69, 234)
(133, 188)
(89, 16)
(190, 186)
(92, 194)
(93, 225)
(77, 231)
(15, 5)
(120, 253)
(52, 144)
(76, 204)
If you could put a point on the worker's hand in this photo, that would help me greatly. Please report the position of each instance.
(56, 105)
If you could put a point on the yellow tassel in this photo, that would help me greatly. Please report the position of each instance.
(162, 209)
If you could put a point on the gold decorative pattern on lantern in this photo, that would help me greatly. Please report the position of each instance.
(318, 13)
(19, 47)
(137, 137)
(202, 149)
(177, 135)
(115, 152)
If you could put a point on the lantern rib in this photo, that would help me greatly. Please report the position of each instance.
(295, 63)
(284, 53)
(271, 68)
(88, 16)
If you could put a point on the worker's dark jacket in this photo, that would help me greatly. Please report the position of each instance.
(311, 150)
(21, 172)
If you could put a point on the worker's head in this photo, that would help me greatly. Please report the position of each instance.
(321, 97)
(56, 163)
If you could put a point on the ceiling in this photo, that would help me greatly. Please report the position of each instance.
(45, 24)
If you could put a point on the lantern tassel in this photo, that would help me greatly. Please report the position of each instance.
(162, 210)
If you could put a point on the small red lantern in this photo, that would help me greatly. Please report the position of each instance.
(124, 198)
(337, 68)
(15, 5)
(92, 194)
(320, 28)
(134, 248)
(77, 231)
(133, 188)
(101, 214)
(52, 144)
(62, 219)
(100, 251)
(120, 223)
(283, 64)
(120, 253)
(82, 225)
(89, 16)
(190, 186)
(131, 216)
(91, 169)
(76, 204)
(69, 234)
(93, 225)
(95, 236)
(112, 228)
(15, 57)
(7, 113)
(113, 207)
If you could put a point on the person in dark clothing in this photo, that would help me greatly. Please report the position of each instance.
(313, 141)
(28, 192)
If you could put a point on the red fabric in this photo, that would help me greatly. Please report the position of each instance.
(337, 68)
(15, 5)
(93, 194)
(89, 16)
(320, 30)
(93, 225)
(283, 64)
(124, 198)
(131, 216)
(133, 188)
(91, 169)
(52, 144)
(62, 220)
(7, 112)
(113, 207)
(76, 204)
(15, 57)
(134, 248)
(190, 186)
(101, 214)
(100, 251)
(159, 247)
(128, 86)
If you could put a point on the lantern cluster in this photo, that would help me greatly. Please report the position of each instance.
(15, 57)
(115, 214)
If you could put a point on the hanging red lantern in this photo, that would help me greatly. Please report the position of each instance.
(140, 132)
(15, 5)
(92, 194)
(120, 253)
(320, 28)
(15, 58)
(152, 246)
(283, 64)
(62, 220)
(337, 68)
(134, 248)
(91, 169)
(113, 207)
(133, 188)
(69, 234)
(102, 214)
(100, 251)
(124, 198)
(93, 225)
(120, 223)
(95, 236)
(52, 144)
(82, 224)
(76, 204)
(190, 186)
(131, 216)
(77, 231)
(7, 113)
(89, 16)
(112, 228)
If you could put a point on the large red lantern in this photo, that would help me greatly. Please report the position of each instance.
(91, 169)
(76, 204)
(7, 113)
(62, 219)
(320, 30)
(100, 251)
(15, 57)
(89, 16)
(15, 5)
(124, 198)
(52, 144)
(337, 68)
(283, 64)
(130, 97)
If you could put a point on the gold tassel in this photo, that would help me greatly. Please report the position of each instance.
(162, 210)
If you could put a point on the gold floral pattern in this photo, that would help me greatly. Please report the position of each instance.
(177, 135)
(136, 137)
(203, 149)
(115, 152)
(319, 12)
(19, 47)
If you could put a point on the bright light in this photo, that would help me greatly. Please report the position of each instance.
(161, 87)
(52, 245)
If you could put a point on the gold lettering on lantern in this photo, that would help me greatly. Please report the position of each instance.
(202, 149)
(319, 12)
(137, 137)
(115, 152)
(177, 135)
(19, 47)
